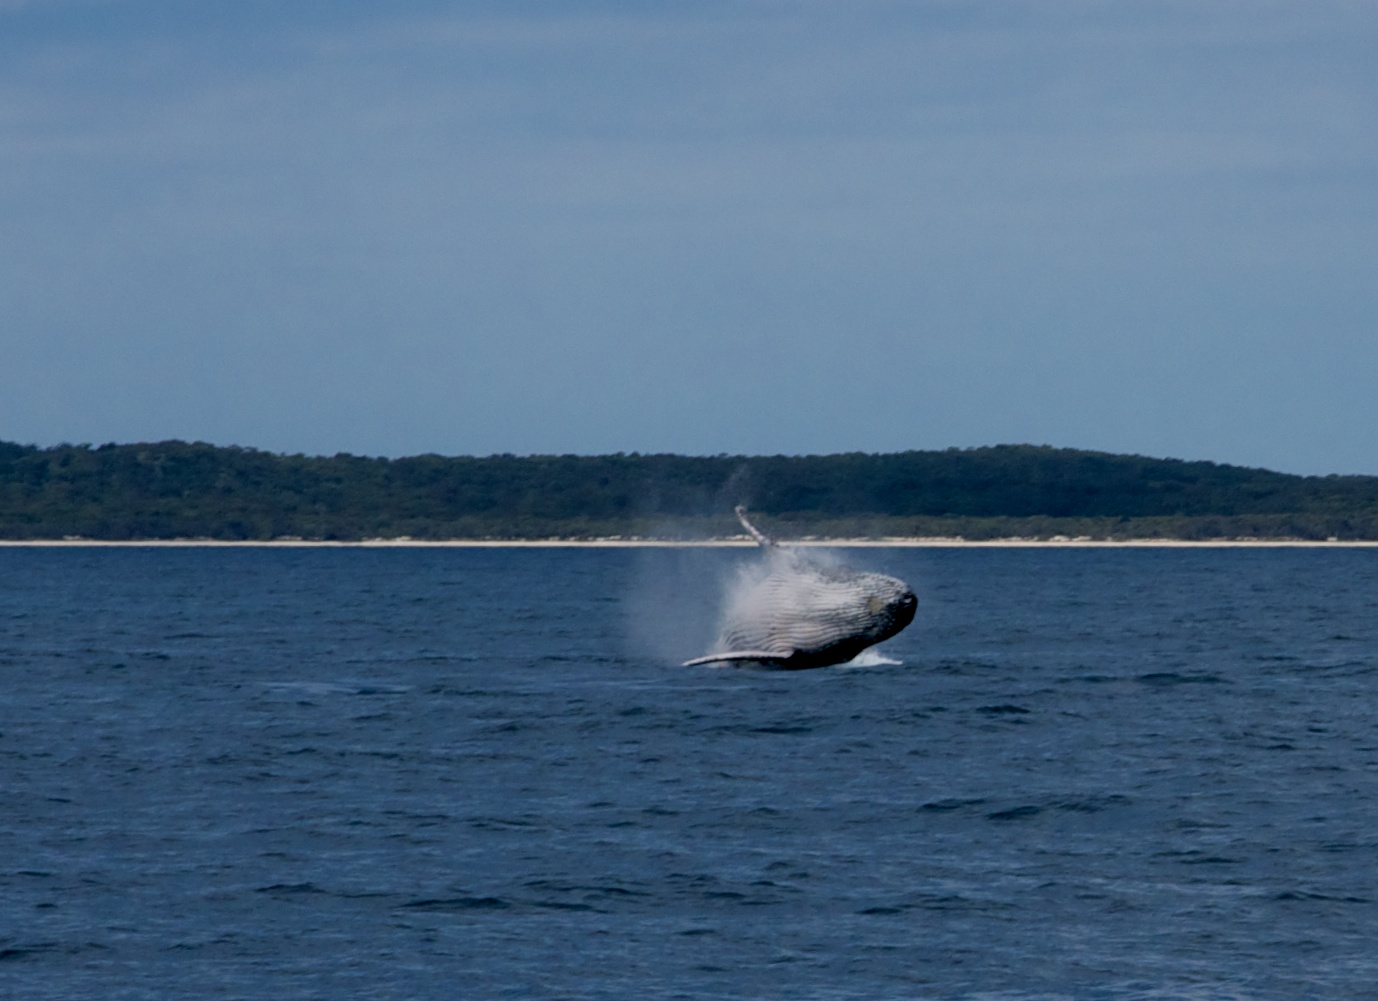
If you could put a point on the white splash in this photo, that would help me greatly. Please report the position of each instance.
(872, 658)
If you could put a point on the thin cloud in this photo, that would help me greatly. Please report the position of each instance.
(752, 227)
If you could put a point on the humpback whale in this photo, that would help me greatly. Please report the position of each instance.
(801, 614)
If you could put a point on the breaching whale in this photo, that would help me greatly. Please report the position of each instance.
(801, 614)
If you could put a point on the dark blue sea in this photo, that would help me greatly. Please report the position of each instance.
(468, 773)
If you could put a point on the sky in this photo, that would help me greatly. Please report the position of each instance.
(745, 227)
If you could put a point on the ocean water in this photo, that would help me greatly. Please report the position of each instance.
(457, 773)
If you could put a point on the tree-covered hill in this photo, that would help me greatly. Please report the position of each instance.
(178, 490)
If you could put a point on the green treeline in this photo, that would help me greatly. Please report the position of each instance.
(178, 490)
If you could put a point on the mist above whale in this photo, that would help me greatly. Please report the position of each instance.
(793, 612)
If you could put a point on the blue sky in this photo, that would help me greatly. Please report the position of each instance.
(754, 227)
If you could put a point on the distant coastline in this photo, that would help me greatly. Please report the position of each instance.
(1004, 495)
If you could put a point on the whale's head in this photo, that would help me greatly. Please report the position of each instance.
(885, 605)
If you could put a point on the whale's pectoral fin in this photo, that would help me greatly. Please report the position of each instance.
(761, 538)
(765, 656)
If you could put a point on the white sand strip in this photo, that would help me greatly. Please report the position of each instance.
(744, 543)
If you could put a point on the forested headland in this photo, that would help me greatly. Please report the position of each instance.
(176, 489)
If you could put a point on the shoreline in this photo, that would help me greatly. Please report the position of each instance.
(727, 543)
